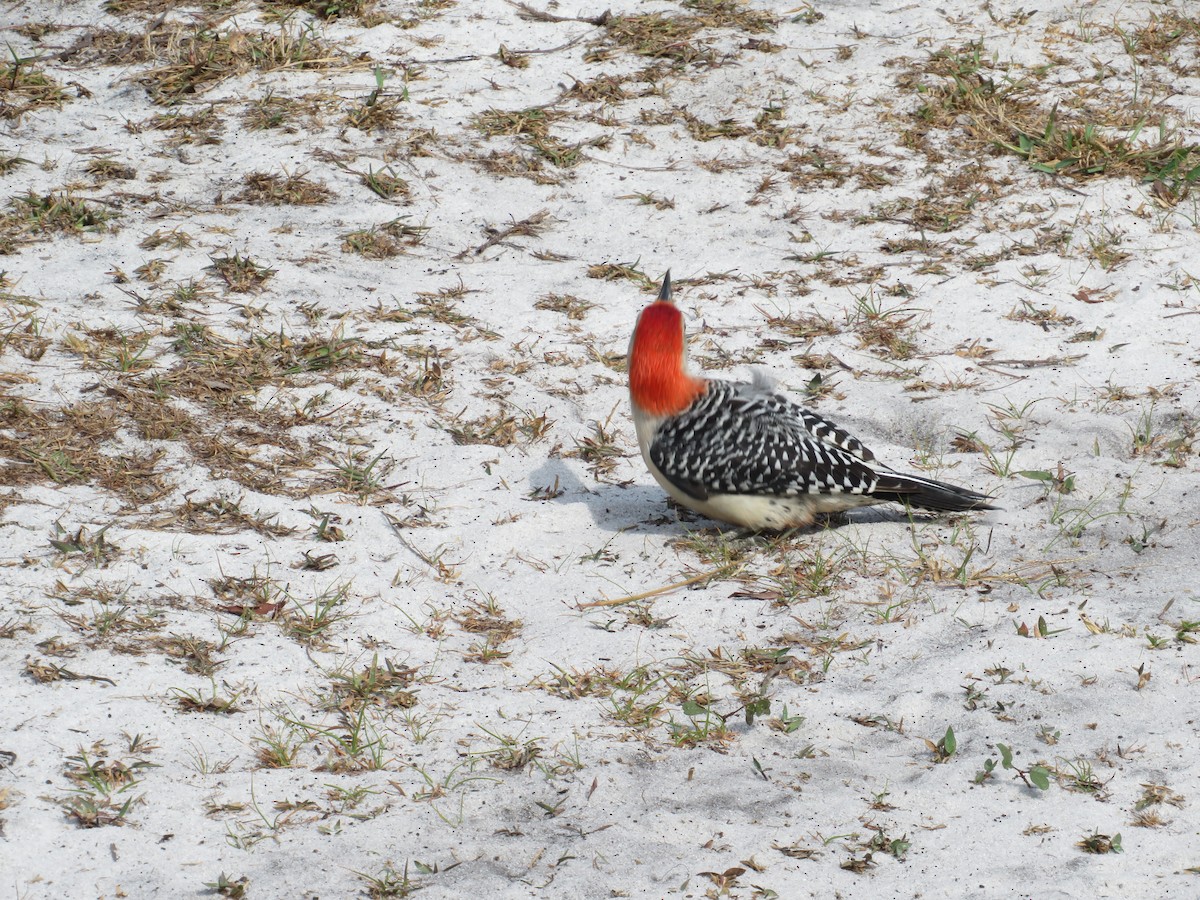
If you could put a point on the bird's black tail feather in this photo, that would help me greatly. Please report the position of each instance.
(926, 493)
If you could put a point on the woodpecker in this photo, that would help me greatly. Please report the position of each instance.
(743, 453)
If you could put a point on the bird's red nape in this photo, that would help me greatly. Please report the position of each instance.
(658, 382)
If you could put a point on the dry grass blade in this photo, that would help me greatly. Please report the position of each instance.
(613, 271)
(525, 11)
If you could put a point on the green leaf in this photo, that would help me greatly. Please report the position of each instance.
(1040, 776)
(1036, 475)
(693, 709)
(1005, 755)
(949, 744)
(755, 708)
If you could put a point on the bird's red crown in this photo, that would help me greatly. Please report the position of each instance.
(658, 381)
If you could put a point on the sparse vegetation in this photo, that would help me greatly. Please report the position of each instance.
(316, 458)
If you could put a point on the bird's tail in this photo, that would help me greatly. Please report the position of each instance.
(925, 493)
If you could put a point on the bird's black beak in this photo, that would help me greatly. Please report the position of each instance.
(664, 292)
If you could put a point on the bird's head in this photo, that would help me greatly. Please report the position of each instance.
(659, 383)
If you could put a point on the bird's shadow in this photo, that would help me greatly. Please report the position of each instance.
(612, 506)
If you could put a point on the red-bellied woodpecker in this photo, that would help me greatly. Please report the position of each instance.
(743, 453)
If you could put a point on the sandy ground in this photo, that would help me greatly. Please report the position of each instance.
(329, 564)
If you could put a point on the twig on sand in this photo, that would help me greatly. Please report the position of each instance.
(665, 589)
(531, 226)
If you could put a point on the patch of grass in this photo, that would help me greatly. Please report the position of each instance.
(980, 101)
(1164, 40)
(497, 429)
(599, 448)
(1041, 316)
(382, 684)
(173, 239)
(109, 616)
(532, 126)
(65, 446)
(197, 127)
(569, 305)
(25, 87)
(487, 619)
(816, 165)
(710, 131)
(103, 170)
(242, 274)
(10, 162)
(363, 10)
(101, 782)
(55, 213)
(361, 474)
(654, 35)
(379, 110)
(25, 333)
(278, 748)
(274, 111)
(531, 122)
(735, 14)
(888, 331)
(386, 183)
(384, 241)
(113, 350)
(388, 883)
(211, 701)
(511, 753)
(229, 886)
(1100, 843)
(803, 326)
(195, 654)
(294, 189)
(608, 271)
(216, 515)
(191, 62)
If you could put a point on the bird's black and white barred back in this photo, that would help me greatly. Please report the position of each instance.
(746, 440)
(740, 438)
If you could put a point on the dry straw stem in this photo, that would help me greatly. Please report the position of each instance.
(527, 227)
(665, 589)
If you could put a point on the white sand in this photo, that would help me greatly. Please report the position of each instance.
(488, 784)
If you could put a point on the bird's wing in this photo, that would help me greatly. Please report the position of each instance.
(818, 426)
(741, 439)
(826, 432)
